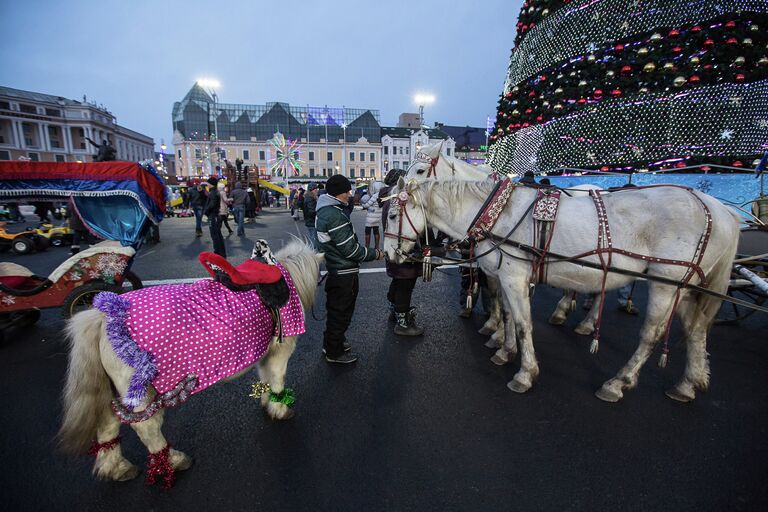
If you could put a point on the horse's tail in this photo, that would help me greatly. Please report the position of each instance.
(87, 391)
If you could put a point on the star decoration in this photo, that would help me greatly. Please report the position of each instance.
(726, 134)
(762, 123)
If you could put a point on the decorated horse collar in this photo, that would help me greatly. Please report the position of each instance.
(489, 213)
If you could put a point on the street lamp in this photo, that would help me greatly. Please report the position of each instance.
(422, 100)
(344, 150)
(211, 85)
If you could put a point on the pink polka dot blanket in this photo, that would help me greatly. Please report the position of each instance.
(186, 337)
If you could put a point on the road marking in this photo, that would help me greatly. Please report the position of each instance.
(187, 280)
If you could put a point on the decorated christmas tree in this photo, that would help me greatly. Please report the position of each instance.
(630, 85)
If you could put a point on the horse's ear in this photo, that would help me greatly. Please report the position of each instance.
(435, 151)
(401, 183)
(320, 257)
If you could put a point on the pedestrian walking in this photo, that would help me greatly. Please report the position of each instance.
(211, 210)
(197, 199)
(343, 254)
(370, 203)
(309, 207)
(251, 206)
(226, 201)
(239, 199)
(291, 203)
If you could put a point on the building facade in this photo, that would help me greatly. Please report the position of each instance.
(400, 145)
(471, 143)
(47, 128)
(326, 141)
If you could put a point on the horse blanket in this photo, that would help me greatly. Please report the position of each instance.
(203, 329)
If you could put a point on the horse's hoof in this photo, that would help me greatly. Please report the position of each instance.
(584, 330)
(556, 320)
(518, 387)
(288, 414)
(607, 395)
(486, 331)
(181, 462)
(128, 473)
(492, 343)
(498, 360)
(675, 394)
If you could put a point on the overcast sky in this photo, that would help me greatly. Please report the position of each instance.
(138, 57)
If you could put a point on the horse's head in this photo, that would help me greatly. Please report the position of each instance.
(406, 222)
(428, 162)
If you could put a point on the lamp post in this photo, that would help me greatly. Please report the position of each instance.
(210, 85)
(344, 150)
(162, 157)
(422, 100)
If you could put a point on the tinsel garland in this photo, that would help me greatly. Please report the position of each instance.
(115, 308)
(96, 446)
(159, 464)
(286, 397)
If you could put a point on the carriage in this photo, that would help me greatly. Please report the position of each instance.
(117, 201)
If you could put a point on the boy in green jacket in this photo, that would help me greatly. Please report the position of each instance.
(343, 254)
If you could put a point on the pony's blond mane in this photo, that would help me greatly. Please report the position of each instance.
(301, 261)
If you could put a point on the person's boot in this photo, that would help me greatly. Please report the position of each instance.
(411, 317)
(392, 317)
(404, 326)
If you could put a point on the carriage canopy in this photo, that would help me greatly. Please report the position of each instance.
(114, 199)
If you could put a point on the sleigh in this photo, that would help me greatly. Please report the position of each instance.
(117, 201)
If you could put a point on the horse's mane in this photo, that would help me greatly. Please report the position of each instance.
(456, 191)
(300, 260)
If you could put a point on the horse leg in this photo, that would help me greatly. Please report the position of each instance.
(110, 463)
(660, 299)
(587, 326)
(696, 375)
(495, 320)
(562, 309)
(505, 339)
(148, 430)
(272, 368)
(516, 293)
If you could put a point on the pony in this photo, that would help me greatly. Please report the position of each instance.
(95, 369)
(432, 162)
(652, 226)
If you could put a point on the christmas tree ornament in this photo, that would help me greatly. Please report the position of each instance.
(649, 67)
(642, 51)
(679, 81)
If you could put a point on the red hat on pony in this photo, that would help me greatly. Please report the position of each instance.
(248, 272)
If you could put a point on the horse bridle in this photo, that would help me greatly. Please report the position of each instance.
(400, 201)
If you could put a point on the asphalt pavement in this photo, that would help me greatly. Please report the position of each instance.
(423, 424)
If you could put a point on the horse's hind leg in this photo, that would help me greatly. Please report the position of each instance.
(587, 326)
(110, 463)
(696, 375)
(660, 299)
(149, 431)
(506, 338)
(272, 368)
(563, 308)
(516, 294)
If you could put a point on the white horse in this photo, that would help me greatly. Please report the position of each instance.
(662, 222)
(94, 368)
(432, 163)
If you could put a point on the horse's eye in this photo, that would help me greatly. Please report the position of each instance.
(420, 171)
(391, 217)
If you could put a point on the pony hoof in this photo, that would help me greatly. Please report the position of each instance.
(676, 394)
(129, 472)
(557, 320)
(181, 461)
(486, 331)
(584, 330)
(492, 343)
(498, 360)
(288, 414)
(607, 395)
(518, 387)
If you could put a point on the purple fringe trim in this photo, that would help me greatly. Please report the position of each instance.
(115, 308)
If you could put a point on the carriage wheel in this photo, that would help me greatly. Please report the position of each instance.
(731, 313)
(81, 298)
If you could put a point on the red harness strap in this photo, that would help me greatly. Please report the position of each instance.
(96, 446)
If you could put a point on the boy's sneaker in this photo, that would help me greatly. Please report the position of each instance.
(344, 358)
(347, 348)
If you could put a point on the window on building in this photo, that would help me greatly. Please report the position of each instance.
(5, 105)
(60, 158)
(35, 157)
(405, 165)
(121, 145)
(352, 172)
(53, 112)
(407, 150)
(54, 134)
(28, 109)
(246, 154)
(5, 155)
(362, 156)
(311, 172)
(329, 156)
(396, 165)
(262, 156)
(30, 135)
(198, 154)
(448, 150)
(386, 150)
(311, 156)
(351, 156)
(373, 157)
(362, 173)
